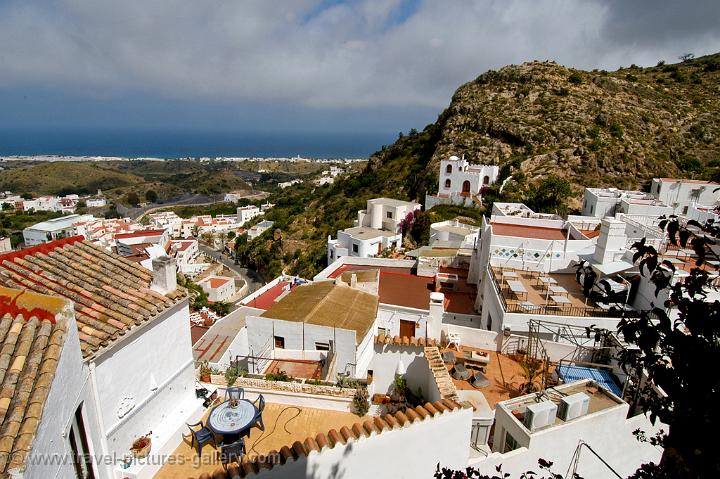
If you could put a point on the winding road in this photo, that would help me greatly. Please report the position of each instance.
(252, 279)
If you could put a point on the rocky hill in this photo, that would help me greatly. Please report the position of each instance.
(594, 128)
(539, 121)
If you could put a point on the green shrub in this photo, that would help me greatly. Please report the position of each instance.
(575, 78)
(360, 401)
(278, 376)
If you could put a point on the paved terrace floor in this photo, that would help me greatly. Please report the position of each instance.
(296, 368)
(504, 372)
(536, 294)
(283, 426)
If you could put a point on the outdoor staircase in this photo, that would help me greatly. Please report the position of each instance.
(440, 373)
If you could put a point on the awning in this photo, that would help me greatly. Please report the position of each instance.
(614, 267)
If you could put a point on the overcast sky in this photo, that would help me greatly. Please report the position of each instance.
(306, 64)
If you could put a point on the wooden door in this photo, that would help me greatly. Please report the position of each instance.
(407, 328)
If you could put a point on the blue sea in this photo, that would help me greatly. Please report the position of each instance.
(189, 143)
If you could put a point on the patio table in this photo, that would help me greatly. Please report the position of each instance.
(230, 421)
(558, 290)
(561, 301)
(518, 289)
(545, 281)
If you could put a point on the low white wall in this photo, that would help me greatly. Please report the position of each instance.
(385, 362)
(475, 337)
(302, 400)
(412, 451)
(608, 432)
(298, 354)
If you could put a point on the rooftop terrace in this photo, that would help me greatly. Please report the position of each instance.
(284, 426)
(600, 400)
(557, 294)
(529, 231)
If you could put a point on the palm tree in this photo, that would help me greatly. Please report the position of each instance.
(531, 371)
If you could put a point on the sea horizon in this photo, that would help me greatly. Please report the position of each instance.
(184, 143)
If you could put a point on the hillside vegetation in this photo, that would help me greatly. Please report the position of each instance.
(64, 178)
(552, 130)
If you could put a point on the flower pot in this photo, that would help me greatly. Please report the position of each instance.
(205, 378)
(142, 452)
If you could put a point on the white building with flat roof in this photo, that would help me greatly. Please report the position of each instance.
(461, 183)
(246, 213)
(570, 425)
(680, 193)
(259, 229)
(56, 228)
(602, 202)
(218, 288)
(377, 227)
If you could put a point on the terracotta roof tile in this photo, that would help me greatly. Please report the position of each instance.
(347, 434)
(32, 332)
(111, 295)
(405, 341)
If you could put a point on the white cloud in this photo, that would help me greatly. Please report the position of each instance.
(347, 55)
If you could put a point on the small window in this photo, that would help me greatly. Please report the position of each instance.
(592, 207)
(355, 248)
(382, 331)
(389, 214)
(685, 210)
(510, 443)
(322, 346)
(489, 323)
(448, 169)
(447, 183)
(279, 342)
(331, 254)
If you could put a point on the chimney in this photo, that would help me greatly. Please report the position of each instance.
(436, 310)
(164, 275)
(611, 242)
(353, 281)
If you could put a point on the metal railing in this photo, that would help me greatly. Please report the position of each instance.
(558, 310)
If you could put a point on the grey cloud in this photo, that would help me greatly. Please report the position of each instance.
(346, 56)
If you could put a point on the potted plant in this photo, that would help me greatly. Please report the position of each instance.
(141, 446)
(205, 372)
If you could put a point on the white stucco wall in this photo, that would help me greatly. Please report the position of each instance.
(412, 451)
(261, 332)
(152, 368)
(608, 432)
(680, 194)
(69, 389)
(389, 317)
(384, 364)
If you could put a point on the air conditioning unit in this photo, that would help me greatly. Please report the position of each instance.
(573, 406)
(540, 415)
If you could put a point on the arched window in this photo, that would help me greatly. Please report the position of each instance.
(486, 180)
(448, 169)
(447, 183)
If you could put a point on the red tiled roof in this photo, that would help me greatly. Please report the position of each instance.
(32, 335)
(267, 299)
(111, 295)
(346, 435)
(527, 231)
(405, 290)
(140, 233)
(217, 282)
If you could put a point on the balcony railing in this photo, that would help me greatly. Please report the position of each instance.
(557, 310)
